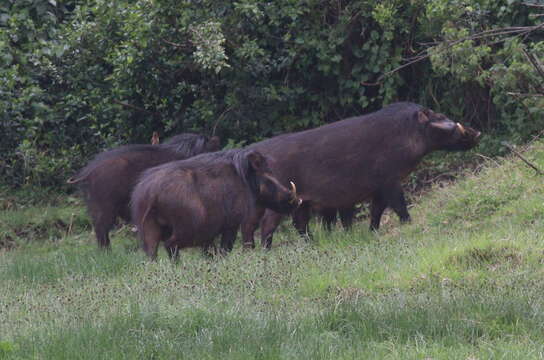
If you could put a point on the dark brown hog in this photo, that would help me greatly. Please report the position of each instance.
(361, 158)
(109, 178)
(188, 203)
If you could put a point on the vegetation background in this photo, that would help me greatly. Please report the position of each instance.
(79, 76)
(463, 281)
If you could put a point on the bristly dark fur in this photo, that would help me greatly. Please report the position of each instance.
(109, 178)
(188, 145)
(361, 158)
(189, 202)
(184, 145)
(206, 161)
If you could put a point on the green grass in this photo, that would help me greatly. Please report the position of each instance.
(463, 281)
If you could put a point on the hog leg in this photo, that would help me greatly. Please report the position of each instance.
(301, 218)
(377, 207)
(395, 200)
(227, 240)
(392, 196)
(209, 250)
(269, 223)
(172, 248)
(346, 217)
(183, 237)
(103, 221)
(150, 235)
(328, 215)
(249, 225)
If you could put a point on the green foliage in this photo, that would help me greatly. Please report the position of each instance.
(80, 76)
(489, 75)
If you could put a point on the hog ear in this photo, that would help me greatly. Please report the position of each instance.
(214, 143)
(444, 125)
(155, 138)
(256, 160)
(422, 117)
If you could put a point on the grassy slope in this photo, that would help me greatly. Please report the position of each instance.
(464, 280)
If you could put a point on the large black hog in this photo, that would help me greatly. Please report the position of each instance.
(188, 203)
(361, 158)
(109, 178)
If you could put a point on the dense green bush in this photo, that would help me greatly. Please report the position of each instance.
(79, 76)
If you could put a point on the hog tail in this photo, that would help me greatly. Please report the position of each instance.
(141, 223)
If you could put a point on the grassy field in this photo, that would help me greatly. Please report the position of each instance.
(463, 281)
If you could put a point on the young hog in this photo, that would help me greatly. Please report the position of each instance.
(188, 203)
(109, 178)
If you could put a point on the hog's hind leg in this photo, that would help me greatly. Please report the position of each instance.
(395, 200)
(150, 235)
(182, 236)
(377, 207)
(104, 217)
(269, 223)
(346, 217)
(227, 240)
(328, 217)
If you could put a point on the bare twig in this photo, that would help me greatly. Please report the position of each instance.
(181, 46)
(511, 148)
(518, 30)
(69, 230)
(219, 118)
(134, 107)
(448, 175)
(487, 158)
(537, 66)
(488, 33)
(537, 60)
(534, 61)
(524, 95)
(533, 5)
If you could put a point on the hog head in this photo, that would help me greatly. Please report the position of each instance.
(269, 192)
(445, 134)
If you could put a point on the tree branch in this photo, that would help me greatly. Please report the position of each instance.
(134, 107)
(511, 148)
(534, 61)
(533, 5)
(524, 95)
(519, 30)
(181, 46)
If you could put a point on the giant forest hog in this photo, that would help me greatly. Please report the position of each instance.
(109, 178)
(188, 203)
(338, 165)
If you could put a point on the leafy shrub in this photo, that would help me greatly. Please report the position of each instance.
(80, 76)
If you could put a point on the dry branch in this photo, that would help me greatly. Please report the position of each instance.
(533, 5)
(134, 107)
(524, 95)
(511, 148)
(518, 30)
(181, 46)
(534, 61)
